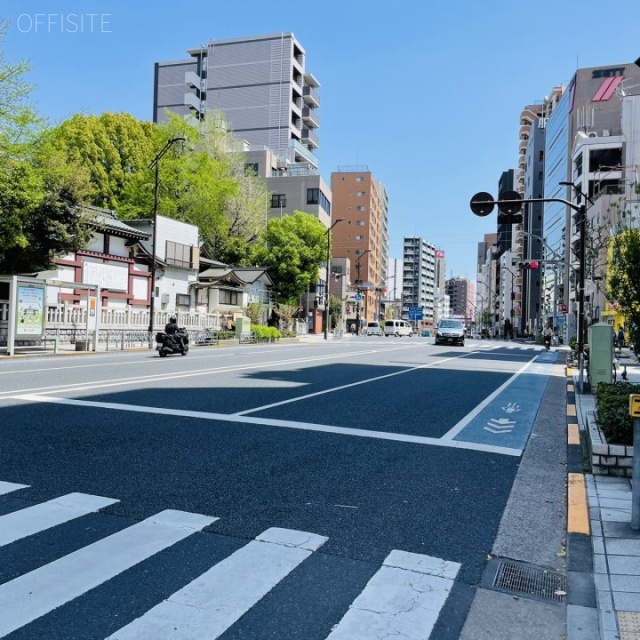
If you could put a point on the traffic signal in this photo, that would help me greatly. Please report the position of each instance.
(528, 264)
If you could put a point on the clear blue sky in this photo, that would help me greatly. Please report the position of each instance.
(426, 94)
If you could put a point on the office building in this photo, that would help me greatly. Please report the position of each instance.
(419, 280)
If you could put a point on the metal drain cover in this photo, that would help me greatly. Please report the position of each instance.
(527, 581)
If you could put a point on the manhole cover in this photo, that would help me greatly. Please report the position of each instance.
(532, 582)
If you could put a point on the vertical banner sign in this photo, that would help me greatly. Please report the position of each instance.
(30, 311)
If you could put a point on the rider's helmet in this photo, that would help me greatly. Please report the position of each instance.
(173, 319)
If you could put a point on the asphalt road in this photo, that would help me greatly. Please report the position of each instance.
(393, 457)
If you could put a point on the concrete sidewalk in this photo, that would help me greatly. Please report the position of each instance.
(615, 547)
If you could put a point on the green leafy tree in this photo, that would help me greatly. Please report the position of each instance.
(254, 312)
(623, 278)
(335, 310)
(293, 249)
(40, 191)
(41, 200)
(112, 148)
(19, 124)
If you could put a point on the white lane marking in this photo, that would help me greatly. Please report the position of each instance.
(35, 594)
(214, 601)
(20, 524)
(304, 426)
(172, 375)
(346, 386)
(402, 600)
(8, 487)
(457, 428)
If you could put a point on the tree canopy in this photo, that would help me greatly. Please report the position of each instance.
(293, 249)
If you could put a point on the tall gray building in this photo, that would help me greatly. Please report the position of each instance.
(260, 83)
(418, 278)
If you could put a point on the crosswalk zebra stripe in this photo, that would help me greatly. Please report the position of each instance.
(26, 522)
(8, 487)
(214, 601)
(402, 600)
(35, 594)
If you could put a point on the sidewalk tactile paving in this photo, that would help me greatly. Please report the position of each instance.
(629, 623)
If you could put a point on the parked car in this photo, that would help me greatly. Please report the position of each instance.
(397, 328)
(450, 331)
(373, 329)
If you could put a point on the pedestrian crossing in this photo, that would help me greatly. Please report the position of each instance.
(403, 597)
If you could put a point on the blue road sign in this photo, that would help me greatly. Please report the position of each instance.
(357, 297)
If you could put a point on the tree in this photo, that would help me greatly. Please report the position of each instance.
(42, 214)
(112, 148)
(293, 249)
(286, 313)
(19, 123)
(335, 310)
(623, 278)
(40, 191)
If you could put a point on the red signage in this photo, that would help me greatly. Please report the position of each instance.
(439, 253)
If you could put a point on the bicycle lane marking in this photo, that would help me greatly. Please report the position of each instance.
(506, 417)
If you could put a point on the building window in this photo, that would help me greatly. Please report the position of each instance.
(229, 297)
(359, 237)
(178, 255)
(251, 168)
(359, 223)
(183, 299)
(360, 179)
(362, 193)
(361, 208)
(202, 296)
(315, 196)
(278, 200)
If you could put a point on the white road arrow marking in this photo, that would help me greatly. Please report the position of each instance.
(500, 425)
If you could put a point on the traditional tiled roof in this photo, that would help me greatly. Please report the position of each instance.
(105, 220)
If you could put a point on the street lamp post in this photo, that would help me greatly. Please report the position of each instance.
(155, 164)
(326, 293)
(364, 253)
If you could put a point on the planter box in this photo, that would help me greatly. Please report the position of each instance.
(607, 459)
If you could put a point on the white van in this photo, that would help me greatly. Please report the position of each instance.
(397, 328)
(373, 329)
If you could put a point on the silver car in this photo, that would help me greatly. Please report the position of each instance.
(450, 331)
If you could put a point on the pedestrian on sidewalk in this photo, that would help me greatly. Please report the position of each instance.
(620, 338)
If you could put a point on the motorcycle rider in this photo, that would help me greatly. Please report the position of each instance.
(171, 329)
(548, 334)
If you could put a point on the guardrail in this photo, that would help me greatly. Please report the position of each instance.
(206, 338)
(248, 338)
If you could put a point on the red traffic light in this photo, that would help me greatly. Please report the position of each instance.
(533, 264)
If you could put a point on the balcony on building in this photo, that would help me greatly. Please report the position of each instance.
(309, 137)
(310, 116)
(192, 79)
(310, 96)
(192, 101)
(311, 80)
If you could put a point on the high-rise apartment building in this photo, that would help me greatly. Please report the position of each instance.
(361, 204)
(260, 83)
(419, 279)
(460, 292)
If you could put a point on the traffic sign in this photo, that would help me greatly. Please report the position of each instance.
(510, 207)
(415, 313)
(357, 297)
(482, 204)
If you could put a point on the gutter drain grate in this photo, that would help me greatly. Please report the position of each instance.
(531, 581)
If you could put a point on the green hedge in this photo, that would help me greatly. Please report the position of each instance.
(612, 405)
(266, 333)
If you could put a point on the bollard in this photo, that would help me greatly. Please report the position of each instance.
(634, 412)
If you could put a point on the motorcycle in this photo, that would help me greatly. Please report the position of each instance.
(170, 344)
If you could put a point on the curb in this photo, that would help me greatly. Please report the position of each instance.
(581, 591)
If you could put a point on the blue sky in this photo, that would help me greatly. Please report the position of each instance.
(426, 94)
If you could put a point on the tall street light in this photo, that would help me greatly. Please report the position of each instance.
(326, 293)
(362, 255)
(155, 164)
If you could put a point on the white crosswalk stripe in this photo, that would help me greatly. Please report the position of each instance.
(26, 522)
(208, 606)
(403, 598)
(8, 487)
(36, 593)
